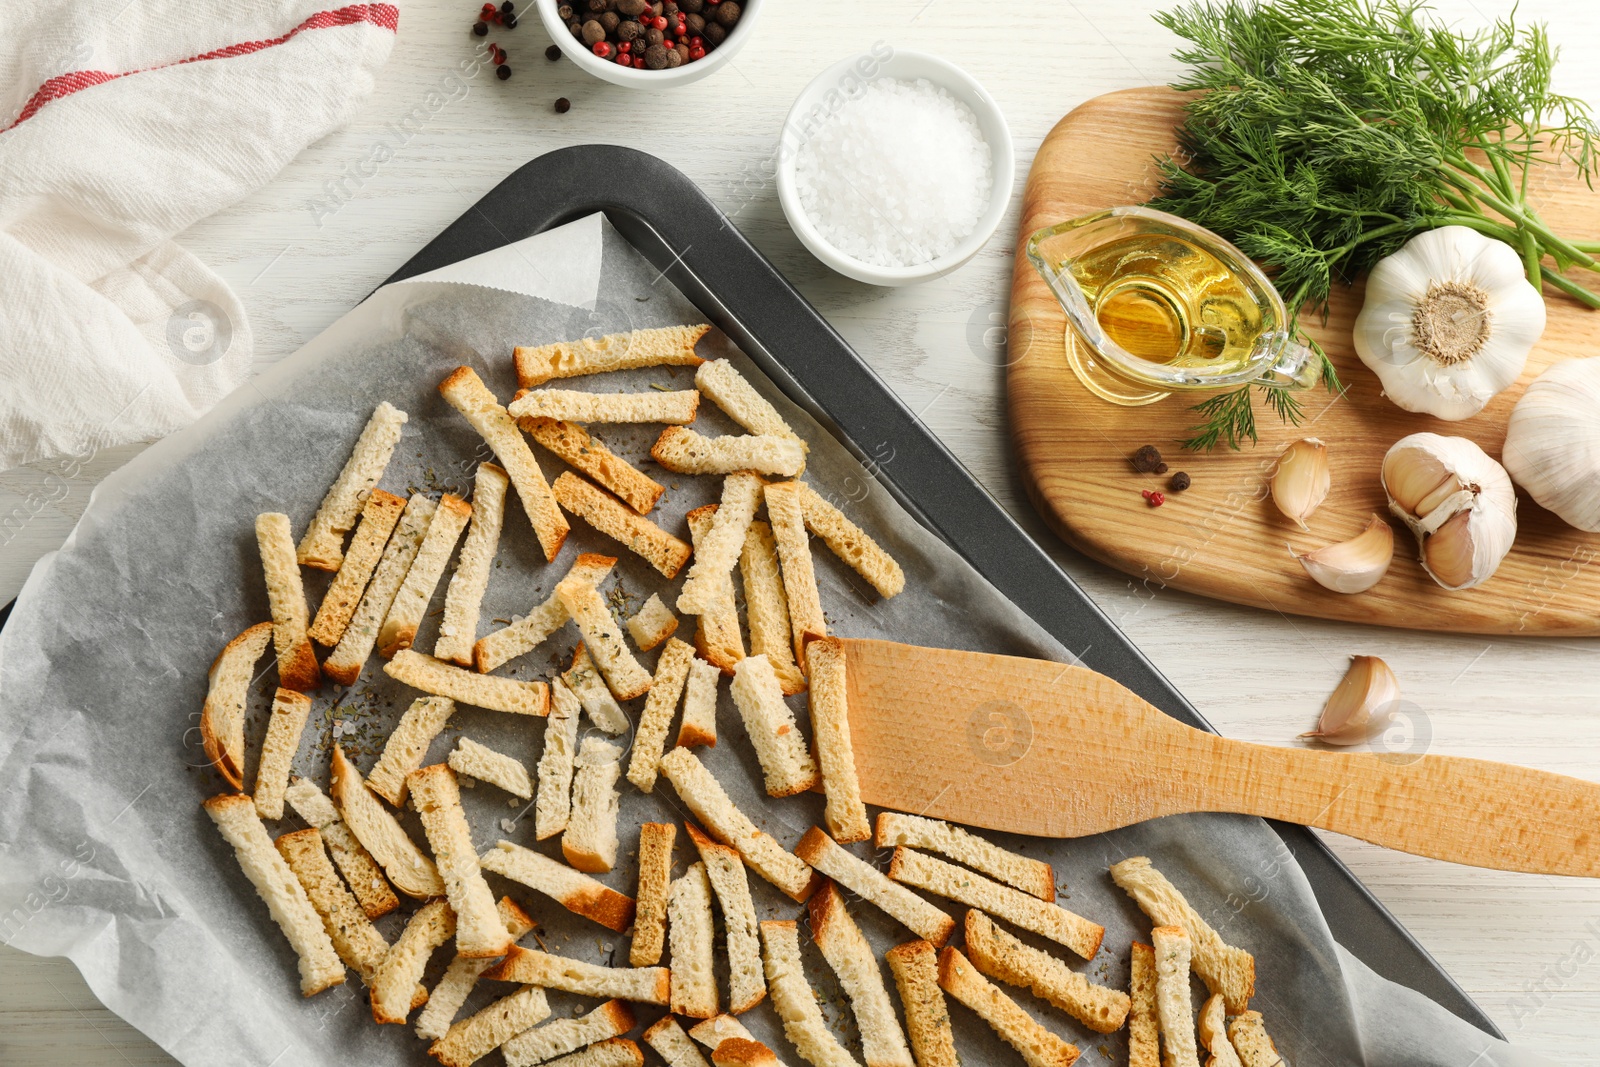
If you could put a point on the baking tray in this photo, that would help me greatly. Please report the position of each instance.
(678, 229)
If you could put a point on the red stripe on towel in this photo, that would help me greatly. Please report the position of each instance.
(384, 16)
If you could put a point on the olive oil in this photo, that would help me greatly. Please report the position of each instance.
(1165, 299)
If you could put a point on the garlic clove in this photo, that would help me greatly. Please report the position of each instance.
(1446, 489)
(1301, 482)
(1410, 476)
(1352, 566)
(1359, 702)
(1552, 444)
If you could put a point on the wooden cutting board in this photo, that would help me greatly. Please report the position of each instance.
(1222, 537)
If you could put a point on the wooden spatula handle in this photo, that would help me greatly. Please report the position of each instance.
(1450, 808)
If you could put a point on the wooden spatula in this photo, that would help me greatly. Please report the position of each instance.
(1035, 747)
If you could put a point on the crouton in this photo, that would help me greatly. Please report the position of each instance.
(573, 444)
(356, 643)
(322, 546)
(297, 662)
(227, 687)
(534, 628)
(784, 756)
(662, 346)
(399, 628)
(379, 517)
(289, 713)
(573, 890)
(1032, 876)
(463, 598)
(611, 517)
(682, 451)
(873, 886)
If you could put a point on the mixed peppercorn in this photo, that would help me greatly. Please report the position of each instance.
(1147, 460)
(651, 36)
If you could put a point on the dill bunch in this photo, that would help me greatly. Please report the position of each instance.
(1330, 132)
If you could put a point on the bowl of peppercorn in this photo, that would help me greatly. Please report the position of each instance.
(649, 42)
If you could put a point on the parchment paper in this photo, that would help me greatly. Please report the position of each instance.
(106, 856)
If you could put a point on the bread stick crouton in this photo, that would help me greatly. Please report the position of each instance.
(574, 405)
(671, 346)
(227, 687)
(406, 746)
(412, 668)
(611, 517)
(705, 797)
(573, 890)
(534, 628)
(1249, 1037)
(381, 834)
(487, 765)
(463, 598)
(652, 624)
(643, 985)
(1223, 968)
(719, 550)
(851, 543)
(552, 806)
(999, 955)
(699, 725)
(744, 1052)
(466, 393)
(360, 871)
(785, 759)
(473, 1038)
(728, 389)
(583, 678)
(655, 880)
(747, 985)
(845, 814)
(691, 932)
(1032, 876)
(378, 519)
(883, 1043)
(1214, 1034)
(399, 628)
(611, 1019)
(612, 1052)
(603, 639)
(289, 713)
(1038, 1046)
(573, 444)
(767, 607)
(794, 561)
(1014, 906)
(1173, 1007)
(297, 663)
(672, 670)
(461, 977)
(356, 643)
(796, 1004)
(322, 546)
(666, 1035)
(354, 938)
(682, 451)
(915, 966)
(1144, 1025)
(719, 1028)
(590, 843)
(480, 932)
(286, 899)
(716, 631)
(873, 886)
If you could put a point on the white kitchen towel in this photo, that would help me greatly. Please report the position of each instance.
(122, 123)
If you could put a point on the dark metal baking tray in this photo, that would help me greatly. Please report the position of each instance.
(674, 225)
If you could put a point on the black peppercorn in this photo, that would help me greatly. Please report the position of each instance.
(693, 7)
(594, 7)
(628, 30)
(507, 8)
(727, 14)
(509, 22)
(564, 13)
(481, 29)
(652, 38)
(715, 33)
(502, 72)
(631, 8)
(577, 29)
(1180, 482)
(677, 56)
(563, 105)
(1146, 459)
(695, 23)
(552, 53)
(610, 20)
(593, 32)
(655, 57)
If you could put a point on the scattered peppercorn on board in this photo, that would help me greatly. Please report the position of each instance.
(1221, 537)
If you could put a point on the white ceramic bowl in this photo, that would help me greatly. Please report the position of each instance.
(831, 90)
(633, 77)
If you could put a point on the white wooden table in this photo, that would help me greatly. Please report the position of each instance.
(1522, 945)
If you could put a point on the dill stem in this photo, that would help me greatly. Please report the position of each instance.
(1570, 287)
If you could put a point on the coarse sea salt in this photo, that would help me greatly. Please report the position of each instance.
(898, 176)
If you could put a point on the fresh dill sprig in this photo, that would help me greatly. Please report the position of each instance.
(1330, 132)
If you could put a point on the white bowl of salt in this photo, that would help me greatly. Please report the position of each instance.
(894, 167)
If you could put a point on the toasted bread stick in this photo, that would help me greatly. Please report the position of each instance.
(461, 977)
(573, 890)
(872, 885)
(1032, 876)
(652, 624)
(851, 543)
(767, 607)
(794, 560)
(662, 346)
(611, 517)
(698, 727)
(354, 937)
(1174, 1008)
(590, 843)
(728, 389)
(222, 715)
(475, 1037)
(655, 880)
(999, 955)
(463, 598)
(1039, 1047)
(1223, 968)
(408, 743)
(719, 551)
(480, 932)
(297, 662)
(690, 931)
(915, 965)
(322, 546)
(432, 925)
(399, 628)
(467, 687)
(782, 751)
(534, 628)
(845, 813)
(486, 765)
(576, 405)
(603, 638)
(682, 451)
(360, 870)
(716, 630)
(574, 445)
(642, 985)
(381, 834)
(289, 713)
(747, 985)
(542, 1043)
(552, 806)
(356, 643)
(672, 670)
(794, 1000)
(378, 520)
(845, 947)
(1144, 1025)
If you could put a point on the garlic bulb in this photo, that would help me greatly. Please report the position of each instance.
(1553, 443)
(1352, 566)
(1457, 501)
(1448, 322)
(1362, 700)
(1302, 480)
